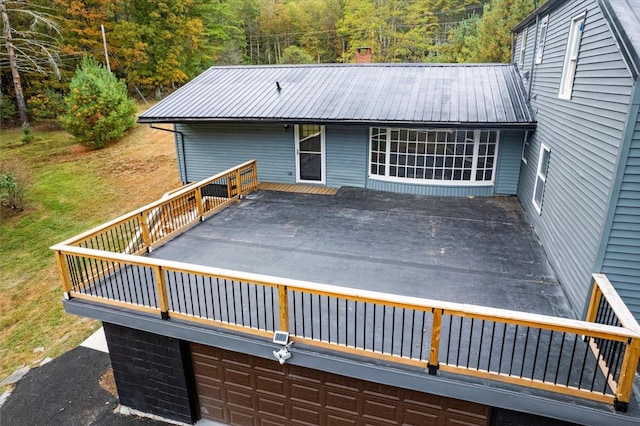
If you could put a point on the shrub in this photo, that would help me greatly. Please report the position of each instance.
(97, 109)
(27, 135)
(46, 105)
(15, 178)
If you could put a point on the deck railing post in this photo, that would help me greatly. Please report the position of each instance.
(436, 327)
(627, 374)
(594, 302)
(255, 174)
(238, 183)
(65, 274)
(146, 232)
(284, 307)
(230, 185)
(199, 203)
(163, 294)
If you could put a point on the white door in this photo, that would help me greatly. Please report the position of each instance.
(310, 161)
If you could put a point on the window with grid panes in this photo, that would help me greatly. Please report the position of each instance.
(458, 156)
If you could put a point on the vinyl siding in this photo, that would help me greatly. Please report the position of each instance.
(584, 135)
(621, 261)
(509, 157)
(346, 148)
(440, 191)
(213, 148)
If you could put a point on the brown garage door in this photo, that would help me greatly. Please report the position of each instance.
(241, 389)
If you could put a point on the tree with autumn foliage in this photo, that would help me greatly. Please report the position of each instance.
(486, 38)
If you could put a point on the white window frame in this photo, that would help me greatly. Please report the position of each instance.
(436, 182)
(523, 47)
(542, 37)
(571, 56)
(525, 148)
(541, 178)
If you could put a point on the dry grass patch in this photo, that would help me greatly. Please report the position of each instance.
(74, 189)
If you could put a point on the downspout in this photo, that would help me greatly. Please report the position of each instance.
(179, 149)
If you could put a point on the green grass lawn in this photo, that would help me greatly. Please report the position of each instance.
(73, 190)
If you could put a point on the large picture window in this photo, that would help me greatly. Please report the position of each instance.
(434, 156)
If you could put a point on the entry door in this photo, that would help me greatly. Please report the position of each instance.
(310, 161)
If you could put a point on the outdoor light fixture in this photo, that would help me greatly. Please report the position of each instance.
(282, 338)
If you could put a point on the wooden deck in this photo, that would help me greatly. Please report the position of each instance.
(298, 188)
(594, 359)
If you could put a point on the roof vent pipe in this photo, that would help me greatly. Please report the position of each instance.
(278, 86)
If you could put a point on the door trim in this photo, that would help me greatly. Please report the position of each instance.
(323, 154)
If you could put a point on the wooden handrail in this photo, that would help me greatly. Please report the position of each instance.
(451, 308)
(181, 191)
(621, 310)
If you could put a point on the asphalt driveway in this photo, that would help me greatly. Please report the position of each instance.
(67, 391)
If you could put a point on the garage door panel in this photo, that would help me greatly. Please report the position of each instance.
(343, 384)
(431, 402)
(419, 418)
(213, 411)
(381, 411)
(268, 422)
(341, 402)
(211, 392)
(335, 420)
(244, 390)
(270, 385)
(455, 406)
(235, 358)
(239, 378)
(241, 418)
(272, 407)
(305, 416)
(239, 399)
(303, 392)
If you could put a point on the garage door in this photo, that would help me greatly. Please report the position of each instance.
(240, 389)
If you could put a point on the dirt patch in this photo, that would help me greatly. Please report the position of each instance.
(76, 150)
(108, 382)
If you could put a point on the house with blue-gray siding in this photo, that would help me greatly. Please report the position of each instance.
(487, 227)
(413, 128)
(580, 170)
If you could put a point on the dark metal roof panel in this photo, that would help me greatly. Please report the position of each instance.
(385, 93)
(624, 17)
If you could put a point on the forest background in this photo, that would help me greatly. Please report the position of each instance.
(157, 45)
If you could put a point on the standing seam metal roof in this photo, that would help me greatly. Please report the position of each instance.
(421, 94)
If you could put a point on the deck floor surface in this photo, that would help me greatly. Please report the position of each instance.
(479, 251)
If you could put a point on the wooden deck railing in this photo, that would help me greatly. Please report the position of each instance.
(150, 226)
(594, 359)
